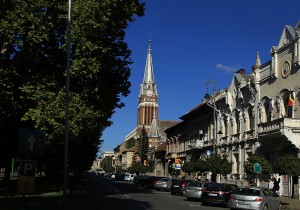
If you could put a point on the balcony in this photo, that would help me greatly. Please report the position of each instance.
(279, 126)
(198, 144)
(283, 127)
(171, 155)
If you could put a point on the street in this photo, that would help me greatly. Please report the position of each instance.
(116, 195)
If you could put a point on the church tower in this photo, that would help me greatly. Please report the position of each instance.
(148, 100)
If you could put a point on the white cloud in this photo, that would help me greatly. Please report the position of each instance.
(228, 69)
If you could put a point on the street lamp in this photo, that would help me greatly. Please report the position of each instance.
(207, 97)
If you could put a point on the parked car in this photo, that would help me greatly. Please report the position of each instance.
(128, 177)
(150, 182)
(119, 176)
(164, 184)
(217, 193)
(177, 186)
(259, 198)
(140, 179)
(113, 175)
(194, 189)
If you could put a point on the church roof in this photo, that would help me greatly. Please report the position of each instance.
(162, 147)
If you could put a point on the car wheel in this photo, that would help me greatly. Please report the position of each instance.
(188, 198)
(204, 203)
(172, 193)
(265, 207)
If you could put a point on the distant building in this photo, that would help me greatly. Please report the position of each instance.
(96, 165)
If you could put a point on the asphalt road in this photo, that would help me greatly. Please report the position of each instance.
(121, 195)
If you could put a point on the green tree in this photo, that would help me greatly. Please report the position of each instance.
(251, 160)
(130, 143)
(106, 164)
(32, 73)
(219, 165)
(151, 165)
(137, 168)
(143, 145)
(287, 165)
(188, 167)
(201, 166)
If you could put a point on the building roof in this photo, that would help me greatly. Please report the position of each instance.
(162, 147)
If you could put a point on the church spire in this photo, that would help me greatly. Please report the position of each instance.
(148, 74)
(257, 62)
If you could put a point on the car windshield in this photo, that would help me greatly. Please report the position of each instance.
(247, 191)
(219, 187)
(164, 179)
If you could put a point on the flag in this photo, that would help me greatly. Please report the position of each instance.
(291, 99)
(270, 106)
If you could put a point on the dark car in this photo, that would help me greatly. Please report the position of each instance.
(150, 181)
(217, 193)
(177, 186)
(119, 176)
(139, 179)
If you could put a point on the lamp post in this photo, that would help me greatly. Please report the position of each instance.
(207, 97)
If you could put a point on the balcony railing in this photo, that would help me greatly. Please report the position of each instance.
(276, 126)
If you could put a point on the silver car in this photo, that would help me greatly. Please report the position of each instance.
(194, 189)
(164, 184)
(252, 197)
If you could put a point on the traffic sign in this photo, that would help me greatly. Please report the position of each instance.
(257, 168)
(27, 168)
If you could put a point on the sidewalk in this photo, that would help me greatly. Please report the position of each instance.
(295, 203)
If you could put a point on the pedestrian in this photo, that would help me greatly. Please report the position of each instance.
(271, 184)
(252, 182)
(276, 185)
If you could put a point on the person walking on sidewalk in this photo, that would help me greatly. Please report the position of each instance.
(276, 185)
(271, 184)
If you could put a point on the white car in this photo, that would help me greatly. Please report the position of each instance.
(128, 177)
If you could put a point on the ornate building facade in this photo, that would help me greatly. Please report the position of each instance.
(256, 114)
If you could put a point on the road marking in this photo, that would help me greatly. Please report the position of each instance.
(192, 205)
(144, 206)
(126, 195)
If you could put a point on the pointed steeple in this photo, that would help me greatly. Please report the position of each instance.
(257, 62)
(148, 74)
(153, 132)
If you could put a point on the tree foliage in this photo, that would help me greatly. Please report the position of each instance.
(33, 65)
(137, 168)
(130, 143)
(188, 167)
(251, 160)
(106, 164)
(287, 165)
(219, 165)
(143, 145)
(201, 166)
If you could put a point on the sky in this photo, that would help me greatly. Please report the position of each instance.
(192, 42)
